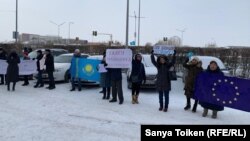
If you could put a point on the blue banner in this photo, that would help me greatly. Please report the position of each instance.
(86, 69)
(224, 91)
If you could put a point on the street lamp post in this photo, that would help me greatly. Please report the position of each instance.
(127, 24)
(69, 31)
(182, 32)
(139, 23)
(58, 28)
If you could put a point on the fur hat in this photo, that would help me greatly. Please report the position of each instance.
(196, 58)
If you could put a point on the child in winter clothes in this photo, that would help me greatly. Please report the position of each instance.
(194, 68)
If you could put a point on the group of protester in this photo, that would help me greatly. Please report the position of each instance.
(12, 73)
(111, 80)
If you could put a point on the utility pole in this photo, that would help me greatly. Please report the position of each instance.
(16, 33)
(127, 24)
(139, 23)
(135, 24)
(69, 31)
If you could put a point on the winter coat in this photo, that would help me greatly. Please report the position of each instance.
(38, 59)
(138, 69)
(49, 63)
(12, 70)
(116, 74)
(163, 81)
(209, 105)
(3, 56)
(105, 78)
(74, 70)
(193, 71)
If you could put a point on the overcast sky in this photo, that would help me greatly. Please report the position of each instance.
(226, 22)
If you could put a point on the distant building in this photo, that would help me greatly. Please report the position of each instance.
(27, 38)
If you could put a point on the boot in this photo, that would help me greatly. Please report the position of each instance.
(13, 87)
(205, 112)
(108, 93)
(188, 106)
(136, 99)
(104, 96)
(8, 87)
(133, 99)
(160, 109)
(195, 106)
(214, 115)
(73, 89)
(165, 110)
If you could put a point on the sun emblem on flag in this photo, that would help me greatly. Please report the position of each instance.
(226, 82)
(88, 69)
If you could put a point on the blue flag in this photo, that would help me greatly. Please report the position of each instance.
(85, 69)
(224, 91)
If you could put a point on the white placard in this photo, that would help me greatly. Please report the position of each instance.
(27, 67)
(3, 66)
(164, 49)
(119, 58)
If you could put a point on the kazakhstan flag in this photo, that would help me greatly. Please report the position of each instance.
(89, 69)
(85, 69)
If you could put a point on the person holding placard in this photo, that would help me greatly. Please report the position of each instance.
(13, 70)
(105, 78)
(163, 82)
(3, 56)
(26, 57)
(116, 83)
(40, 68)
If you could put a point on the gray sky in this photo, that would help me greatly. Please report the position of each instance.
(225, 21)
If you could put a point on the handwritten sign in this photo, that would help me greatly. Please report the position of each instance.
(119, 58)
(164, 49)
(26, 67)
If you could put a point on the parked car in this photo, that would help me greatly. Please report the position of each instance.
(54, 52)
(150, 71)
(62, 65)
(205, 62)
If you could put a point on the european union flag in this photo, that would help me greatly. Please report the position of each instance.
(85, 69)
(224, 91)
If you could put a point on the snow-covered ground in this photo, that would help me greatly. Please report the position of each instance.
(30, 114)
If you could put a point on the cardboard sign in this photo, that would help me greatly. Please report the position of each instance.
(164, 49)
(119, 58)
